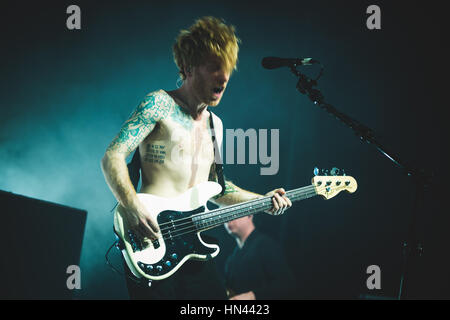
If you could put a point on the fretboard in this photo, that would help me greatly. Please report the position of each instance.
(219, 216)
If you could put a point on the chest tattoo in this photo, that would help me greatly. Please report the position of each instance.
(181, 117)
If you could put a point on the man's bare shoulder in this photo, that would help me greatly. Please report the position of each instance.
(154, 107)
(158, 104)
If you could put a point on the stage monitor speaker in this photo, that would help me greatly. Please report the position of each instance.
(39, 240)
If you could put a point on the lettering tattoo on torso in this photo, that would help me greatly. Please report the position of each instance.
(155, 153)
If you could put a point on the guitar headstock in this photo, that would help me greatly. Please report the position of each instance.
(329, 183)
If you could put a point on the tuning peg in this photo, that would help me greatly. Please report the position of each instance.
(335, 171)
(343, 172)
(316, 171)
(324, 172)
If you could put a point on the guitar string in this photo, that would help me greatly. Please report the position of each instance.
(289, 193)
(232, 212)
(223, 209)
(195, 229)
(229, 208)
(192, 228)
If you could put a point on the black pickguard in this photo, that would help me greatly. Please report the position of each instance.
(181, 239)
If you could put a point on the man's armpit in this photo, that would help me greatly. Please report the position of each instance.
(152, 109)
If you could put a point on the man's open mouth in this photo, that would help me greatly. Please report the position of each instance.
(218, 90)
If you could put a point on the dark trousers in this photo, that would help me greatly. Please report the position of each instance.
(195, 280)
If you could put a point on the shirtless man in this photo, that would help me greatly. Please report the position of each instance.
(177, 123)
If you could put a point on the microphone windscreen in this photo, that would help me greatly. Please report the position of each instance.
(272, 62)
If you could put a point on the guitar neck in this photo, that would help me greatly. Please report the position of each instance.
(219, 216)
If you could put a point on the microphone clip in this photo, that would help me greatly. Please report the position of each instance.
(306, 86)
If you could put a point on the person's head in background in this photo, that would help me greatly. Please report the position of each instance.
(240, 228)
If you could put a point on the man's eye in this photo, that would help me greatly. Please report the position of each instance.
(214, 67)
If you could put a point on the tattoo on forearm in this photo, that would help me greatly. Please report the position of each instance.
(229, 188)
(155, 153)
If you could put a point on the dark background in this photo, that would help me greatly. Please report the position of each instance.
(64, 95)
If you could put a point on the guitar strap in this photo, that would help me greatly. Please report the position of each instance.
(218, 163)
(134, 166)
(134, 169)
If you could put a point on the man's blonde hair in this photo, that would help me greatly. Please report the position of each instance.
(207, 36)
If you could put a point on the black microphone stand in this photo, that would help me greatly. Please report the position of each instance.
(412, 247)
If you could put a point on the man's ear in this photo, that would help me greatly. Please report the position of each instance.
(188, 71)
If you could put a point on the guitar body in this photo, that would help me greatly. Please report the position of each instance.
(159, 259)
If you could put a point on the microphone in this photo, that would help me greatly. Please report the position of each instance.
(274, 62)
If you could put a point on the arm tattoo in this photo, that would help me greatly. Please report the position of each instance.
(230, 188)
(153, 108)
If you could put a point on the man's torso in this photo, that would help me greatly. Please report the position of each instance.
(177, 154)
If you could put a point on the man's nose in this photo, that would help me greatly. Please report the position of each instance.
(223, 77)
